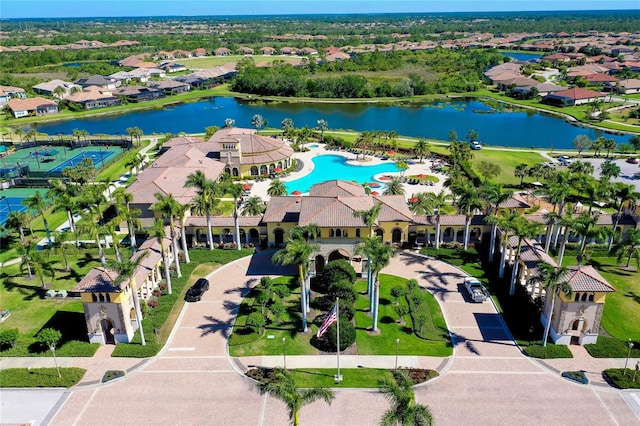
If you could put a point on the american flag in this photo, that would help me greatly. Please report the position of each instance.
(331, 318)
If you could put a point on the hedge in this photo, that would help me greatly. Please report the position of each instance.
(40, 377)
(610, 347)
(616, 378)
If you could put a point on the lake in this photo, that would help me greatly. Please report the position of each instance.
(496, 126)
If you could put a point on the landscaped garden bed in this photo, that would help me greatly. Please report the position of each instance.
(110, 375)
(40, 377)
(548, 352)
(576, 376)
(622, 378)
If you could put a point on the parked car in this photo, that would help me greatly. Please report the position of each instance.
(636, 176)
(196, 291)
(564, 160)
(476, 290)
(632, 160)
(475, 145)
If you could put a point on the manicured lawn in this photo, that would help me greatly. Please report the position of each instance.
(621, 317)
(40, 377)
(351, 377)
(245, 342)
(214, 61)
(507, 160)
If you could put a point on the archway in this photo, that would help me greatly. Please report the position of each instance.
(319, 264)
(235, 172)
(107, 331)
(338, 254)
(263, 170)
(278, 236)
(227, 170)
(379, 232)
(254, 171)
(396, 236)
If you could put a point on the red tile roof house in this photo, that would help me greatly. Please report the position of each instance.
(32, 106)
(630, 85)
(9, 92)
(572, 97)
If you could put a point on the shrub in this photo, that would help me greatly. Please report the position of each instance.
(412, 284)
(402, 310)
(40, 377)
(344, 290)
(282, 291)
(547, 352)
(576, 376)
(257, 321)
(112, 375)
(397, 292)
(325, 303)
(277, 309)
(77, 348)
(153, 303)
(338, 270)
(135, 350)
(347, 335)
(9, 337)
(616, 378)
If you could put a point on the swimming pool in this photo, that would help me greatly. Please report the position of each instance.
(313, 145)
(329, 167)
(96, 156)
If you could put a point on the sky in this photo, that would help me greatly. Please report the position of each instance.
(10, 9)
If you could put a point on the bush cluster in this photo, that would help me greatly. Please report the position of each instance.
(610, 347)
(40, 377)
(549, 351)
(618, 379)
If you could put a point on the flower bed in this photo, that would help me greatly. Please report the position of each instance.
(576, 376)
(112, 375)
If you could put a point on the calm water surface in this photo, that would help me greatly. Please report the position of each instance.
(496, 127)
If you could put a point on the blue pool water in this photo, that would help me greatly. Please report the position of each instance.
(328, 167)
(313, 145)
(96, 156)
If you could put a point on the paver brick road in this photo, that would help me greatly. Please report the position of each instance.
(486, 382)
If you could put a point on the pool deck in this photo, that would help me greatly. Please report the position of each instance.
(415, 168)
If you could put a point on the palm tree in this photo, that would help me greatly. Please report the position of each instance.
(287, 127)
(129, 215)
(438, 201)
(111, 230)
(625, 194)
(25, 254)
(37, 202)
(20, 132)
(277, 188)
(229, 122)
(157, 231)
(207, 199)
(521, 172)
(42, 266)
(378, 256)
(63, 197)
(423, 204)
(181, 216)
(135, 163)
(421, 149)
(258, 122)
(522, 228)
(169, 208)
(59, 91)
(60, 245)
(468, 202)
(253, 206)
(629, 248)
(31, 135)
(394, 187)
(126, 270)
(363, 141)
(283, 387)
(609, 169)
(91, 226)
(567, 223)
(494, 196)
(404, 409)
(298, 252)
(303, 136)
(370, 218)
(553, 281)
(135, 133)
(321, 126)
(235, 190)
(587, 227)
(17, 220)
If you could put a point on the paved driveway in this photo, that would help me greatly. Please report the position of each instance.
(486, 382)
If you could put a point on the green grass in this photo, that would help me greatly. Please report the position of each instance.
(247, 343)
(610, 347)
(548, 352)
(351, 377)
(507, 160)
(214, 61)
(40, 377)
(621, 379)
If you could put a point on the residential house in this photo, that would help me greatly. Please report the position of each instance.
(199, 52)
(170, 87)
(136, 94)
(48, 88)
(266, 50)
(245, 50)
(171, 67)
(93, 98)
(221, 51)
(32, 106)
(100, 81)
(209, 77)
(139, 74)
(627, 86)
(572, 97)
(9, 92)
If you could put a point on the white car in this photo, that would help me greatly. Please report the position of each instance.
(476, 290)
(564, 160)
(475, 145)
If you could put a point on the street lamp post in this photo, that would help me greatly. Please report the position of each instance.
(284, 351)
(397, 343)
(630, 344)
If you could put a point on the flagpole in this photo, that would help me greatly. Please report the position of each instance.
(338, 377)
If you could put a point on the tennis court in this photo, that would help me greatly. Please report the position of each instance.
(98, 158)
(11, 200)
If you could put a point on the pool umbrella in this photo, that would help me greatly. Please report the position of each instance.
(278, 169)
(246, 186)
(374, 184)
(421, 176)
(296, 193)
(413, 199)
(375, 193)
(385, 178)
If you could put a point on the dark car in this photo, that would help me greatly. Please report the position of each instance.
(632, 160)
(197, 290)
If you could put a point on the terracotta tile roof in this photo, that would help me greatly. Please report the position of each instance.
(335, 188)
(586, 278)
(99, 280)
(578, 93)
(255, 149)
(283, 209)
(531, 254)
(29, 104)
(515, 202)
